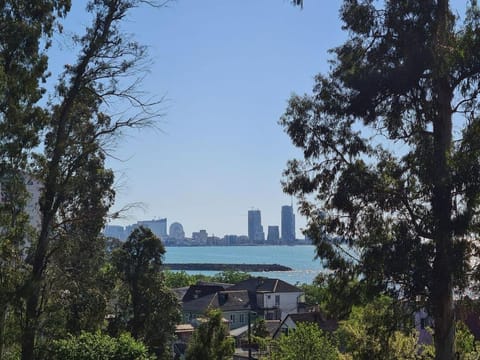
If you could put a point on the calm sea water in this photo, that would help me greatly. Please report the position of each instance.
(299, 258)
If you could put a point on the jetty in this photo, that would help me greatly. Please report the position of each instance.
(226, 267)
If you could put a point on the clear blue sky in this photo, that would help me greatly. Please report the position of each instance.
(227, 68)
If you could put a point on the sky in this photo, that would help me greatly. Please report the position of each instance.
(226, 69)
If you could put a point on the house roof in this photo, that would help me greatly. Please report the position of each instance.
(313, 317)
(266, 285)
(236, 300)
(272, 326)
(201, 289)
(199, 305)
(180, 292)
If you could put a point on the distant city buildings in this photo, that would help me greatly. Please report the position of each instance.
(158, 227)
(256, 236)
(115, 231)
(273, 237)
(288, 224)
(255, 228)
(176, 231)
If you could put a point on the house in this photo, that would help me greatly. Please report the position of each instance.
(235, 305)
(274, 299)
(292, 320)
(271, 299)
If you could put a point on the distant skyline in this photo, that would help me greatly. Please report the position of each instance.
(226, 70)
(161, 225)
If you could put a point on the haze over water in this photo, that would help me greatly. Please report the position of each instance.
(299, 258)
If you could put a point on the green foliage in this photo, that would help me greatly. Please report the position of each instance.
(61, 143)
(230, 276)
(374, 331)
(177, 279)
(467, 347)
(306, 342)
(145, 306)
(210, 340)
(389, 189)
(335, 295)
(24, 37)
(97, 346)
(259, 329)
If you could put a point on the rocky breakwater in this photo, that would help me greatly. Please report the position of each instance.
(227, 267)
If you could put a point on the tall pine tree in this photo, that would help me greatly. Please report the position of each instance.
(390, 175)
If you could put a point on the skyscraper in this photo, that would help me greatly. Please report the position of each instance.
(273, 236)
(255, 228)
(288, 224)
(158, 226)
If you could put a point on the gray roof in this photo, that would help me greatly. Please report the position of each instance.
(224, 300)
(202, 289)
(266, 285)
(314, 317)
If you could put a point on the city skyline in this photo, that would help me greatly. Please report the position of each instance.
(254, 227)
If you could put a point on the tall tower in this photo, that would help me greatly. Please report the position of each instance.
(273, 237)
(288, 224)
(255, 228)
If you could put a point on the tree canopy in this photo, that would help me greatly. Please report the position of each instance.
(390, 175)
(150, 311)
(57, 139)
(305, 342)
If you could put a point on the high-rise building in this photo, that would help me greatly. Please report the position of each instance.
(273, 236)
(115, 231)
(158, 226)
(288, 224)
(255, 228)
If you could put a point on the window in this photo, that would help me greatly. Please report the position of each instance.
(423, 323)
(277, 300)
(232, 318)
(242, 318)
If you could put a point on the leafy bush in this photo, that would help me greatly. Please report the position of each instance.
(97, 346)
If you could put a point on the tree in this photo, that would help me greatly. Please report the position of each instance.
(24, 38)
(374, 331)
(154, 308)
(306, 342)
(335, 296)
(75, 133)
(210, 340)
(231, 276)
(177, 279)
(390, 186)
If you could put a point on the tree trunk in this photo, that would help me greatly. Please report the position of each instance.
(442, 280)
(33, 293)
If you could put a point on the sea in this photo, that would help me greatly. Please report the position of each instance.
(301, 258)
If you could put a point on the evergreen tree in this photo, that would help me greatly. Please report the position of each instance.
(150, 310)
(390, 179)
